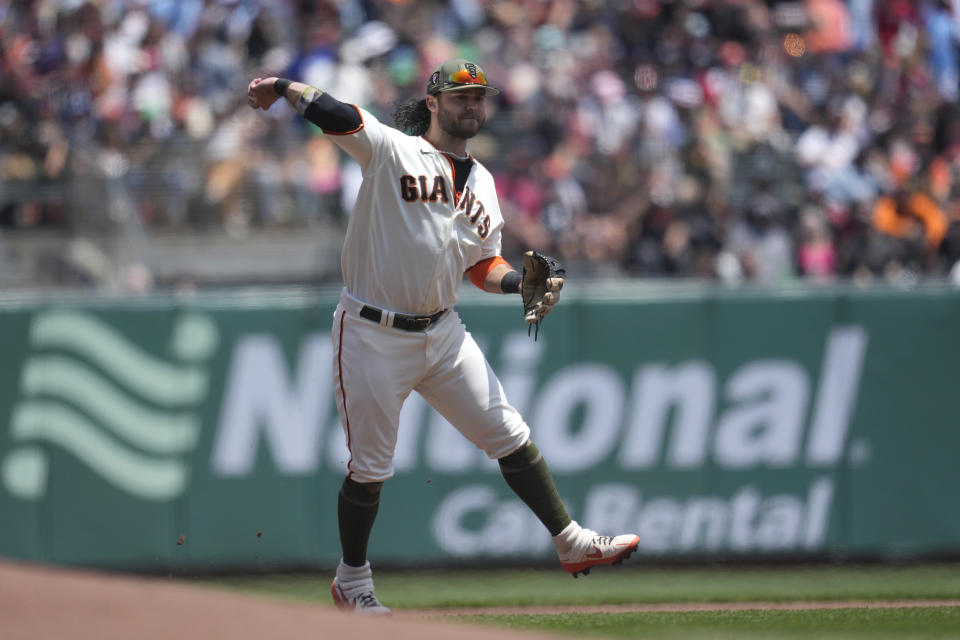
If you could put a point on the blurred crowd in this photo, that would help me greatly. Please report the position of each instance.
(739, 140)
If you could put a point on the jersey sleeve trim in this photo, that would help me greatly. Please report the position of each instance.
(478, 272)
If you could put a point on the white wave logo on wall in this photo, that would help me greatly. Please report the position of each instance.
(127, 414)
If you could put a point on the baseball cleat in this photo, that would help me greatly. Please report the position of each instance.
(357, 596)
(594, 549)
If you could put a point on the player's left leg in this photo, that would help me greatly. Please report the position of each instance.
(580, 549)
(462, 386)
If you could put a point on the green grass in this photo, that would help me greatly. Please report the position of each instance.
(846, 624)
(447, 589)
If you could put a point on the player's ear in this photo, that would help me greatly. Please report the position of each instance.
(432, 103)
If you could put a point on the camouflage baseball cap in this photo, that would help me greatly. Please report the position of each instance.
(458, 74)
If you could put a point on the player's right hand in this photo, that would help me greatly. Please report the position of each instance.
(260, 93)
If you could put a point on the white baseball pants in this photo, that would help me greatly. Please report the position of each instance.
(376, 367)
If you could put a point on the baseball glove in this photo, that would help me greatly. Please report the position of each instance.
(540, 287)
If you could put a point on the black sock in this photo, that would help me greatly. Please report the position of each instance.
(357, 508)
(527, 473)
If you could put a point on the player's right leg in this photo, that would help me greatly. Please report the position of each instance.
(374, 370)
(353, 590)
(352, 587)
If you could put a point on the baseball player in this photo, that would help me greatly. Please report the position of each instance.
(426, 214)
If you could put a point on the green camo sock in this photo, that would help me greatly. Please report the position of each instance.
(357, 508)
(526, 472)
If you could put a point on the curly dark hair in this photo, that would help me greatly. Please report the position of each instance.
(413, 118)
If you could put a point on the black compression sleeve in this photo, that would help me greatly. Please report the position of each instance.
(331, 115)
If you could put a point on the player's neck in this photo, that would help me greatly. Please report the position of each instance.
(445, 142)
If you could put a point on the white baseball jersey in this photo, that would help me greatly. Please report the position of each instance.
(408, 243)
(411, 236)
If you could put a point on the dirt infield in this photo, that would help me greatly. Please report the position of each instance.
(41, 603)
(60, 604)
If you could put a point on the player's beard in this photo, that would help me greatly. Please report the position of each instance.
(452, 126)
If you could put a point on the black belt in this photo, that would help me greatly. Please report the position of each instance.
(402, 320)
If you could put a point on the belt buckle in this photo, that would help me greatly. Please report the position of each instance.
(437, 317)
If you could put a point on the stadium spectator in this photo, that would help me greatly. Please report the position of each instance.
(911, 227)
(675, 138)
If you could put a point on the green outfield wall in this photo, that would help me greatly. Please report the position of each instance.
(201, 433)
